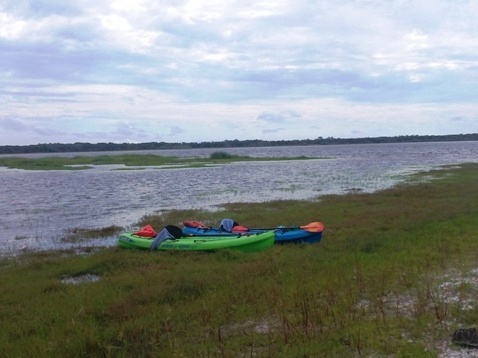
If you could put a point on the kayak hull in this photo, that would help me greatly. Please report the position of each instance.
(247, 243)
(282, 236)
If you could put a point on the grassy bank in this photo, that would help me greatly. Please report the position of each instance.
(129, 160)
(394, 275)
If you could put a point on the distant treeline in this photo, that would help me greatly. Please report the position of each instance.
(104, 147)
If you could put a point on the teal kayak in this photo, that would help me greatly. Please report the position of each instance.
(247, 243)
(310, 233)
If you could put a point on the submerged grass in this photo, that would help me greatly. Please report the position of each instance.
(129, 160)
(377, 285)
(82, 234)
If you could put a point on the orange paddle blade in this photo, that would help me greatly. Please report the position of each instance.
(313, 227)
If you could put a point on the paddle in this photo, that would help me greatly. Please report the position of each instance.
(316, 226)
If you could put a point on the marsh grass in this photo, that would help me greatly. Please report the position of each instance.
(379, 284)
(84, 234)
(129, 160)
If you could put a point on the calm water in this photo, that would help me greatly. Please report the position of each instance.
(37, 208)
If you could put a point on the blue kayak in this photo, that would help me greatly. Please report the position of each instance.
(310, 233)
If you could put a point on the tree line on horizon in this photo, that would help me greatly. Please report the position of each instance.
(106, 147)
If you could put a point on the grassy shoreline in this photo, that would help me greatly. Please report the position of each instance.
(394, 275)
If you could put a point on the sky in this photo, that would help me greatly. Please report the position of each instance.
(126, 71)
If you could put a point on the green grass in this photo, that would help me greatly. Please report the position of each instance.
(129, 160)
(381, 283)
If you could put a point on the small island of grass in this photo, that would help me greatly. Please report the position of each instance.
(130, 161)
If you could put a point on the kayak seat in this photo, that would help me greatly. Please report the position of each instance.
(169, 232)
(227, 225)
(174, 231)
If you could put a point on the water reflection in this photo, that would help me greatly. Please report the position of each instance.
(37, 207)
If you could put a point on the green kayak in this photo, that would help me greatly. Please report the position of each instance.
(246, 243)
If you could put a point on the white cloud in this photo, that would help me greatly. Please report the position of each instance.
(270, 69)
(10, 27)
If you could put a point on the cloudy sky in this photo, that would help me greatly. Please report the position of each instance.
(192, 71)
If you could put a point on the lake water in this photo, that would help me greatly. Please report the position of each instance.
(37, 208)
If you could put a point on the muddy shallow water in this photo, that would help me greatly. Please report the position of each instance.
(38, 207)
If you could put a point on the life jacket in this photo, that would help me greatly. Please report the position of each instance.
(196, 224)
(146, 231)
(239, 229)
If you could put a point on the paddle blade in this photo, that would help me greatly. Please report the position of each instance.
(313, 227)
